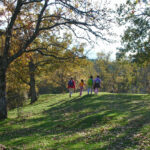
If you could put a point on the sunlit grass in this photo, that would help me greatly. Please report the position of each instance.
(91, 122)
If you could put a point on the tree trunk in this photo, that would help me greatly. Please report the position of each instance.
(3, 101)
(32, 91)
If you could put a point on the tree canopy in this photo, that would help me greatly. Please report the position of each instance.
(135, 15)
(29, 26)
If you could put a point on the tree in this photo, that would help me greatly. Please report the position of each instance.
(27, 21)
(62, 74)
(136, 16)
(63, 55)
(34, 64)
(16, 88)
(116, 75)
(102, 67)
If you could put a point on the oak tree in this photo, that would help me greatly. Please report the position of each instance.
(23, 22)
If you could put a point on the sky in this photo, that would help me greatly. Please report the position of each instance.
(102, 46)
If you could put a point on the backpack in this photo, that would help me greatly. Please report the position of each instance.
(97, 81)
(70, 83)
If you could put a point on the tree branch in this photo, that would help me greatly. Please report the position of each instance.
(32, 1)
(22, 50)
(10, 26)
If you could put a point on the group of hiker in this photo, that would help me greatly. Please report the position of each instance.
(91, 84)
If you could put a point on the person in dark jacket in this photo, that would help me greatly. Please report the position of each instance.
(97, 84)
(71, 86)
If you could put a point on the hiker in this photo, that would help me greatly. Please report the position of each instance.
(90, 84)
(81, 85)
(97, 84)
(71, 86)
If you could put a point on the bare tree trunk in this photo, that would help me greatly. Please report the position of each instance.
(3, 101)
(32, 91)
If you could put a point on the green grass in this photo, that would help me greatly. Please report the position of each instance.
(95, 122)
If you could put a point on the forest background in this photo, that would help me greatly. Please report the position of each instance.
(37, 71)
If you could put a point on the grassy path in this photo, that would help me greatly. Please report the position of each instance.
(97, 122)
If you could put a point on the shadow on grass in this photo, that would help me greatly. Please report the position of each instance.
(88, 112)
